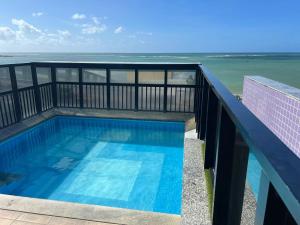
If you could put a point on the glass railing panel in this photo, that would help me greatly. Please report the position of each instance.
(182, 77)
(5, 82)
(23, 76)
(94, 75)
(67, 75)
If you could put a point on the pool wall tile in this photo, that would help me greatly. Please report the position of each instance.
(277, 105)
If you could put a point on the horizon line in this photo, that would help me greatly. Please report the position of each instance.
(233, 52)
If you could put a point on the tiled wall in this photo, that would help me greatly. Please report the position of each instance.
(279, 111)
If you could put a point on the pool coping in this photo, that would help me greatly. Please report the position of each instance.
(86, 212)
(17, 128)
(83, 211)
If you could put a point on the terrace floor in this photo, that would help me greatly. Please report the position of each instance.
(17, 210)
(9, 217)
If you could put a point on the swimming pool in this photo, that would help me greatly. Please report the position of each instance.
(135, 164)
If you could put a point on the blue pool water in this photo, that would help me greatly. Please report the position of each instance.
(120, 163)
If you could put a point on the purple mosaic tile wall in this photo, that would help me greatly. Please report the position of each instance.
(278, 110)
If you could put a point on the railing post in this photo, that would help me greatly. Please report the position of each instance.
(108, 88)
(204, 106)
(136, 90)
(213, 118)
(166, 91)
(262, 199)
(80, 88)
(36, 89)
(54, 92)
(199, 104)
(270, 207)
(54, 86)
(14, 87)
(196, 96)
(230, 174)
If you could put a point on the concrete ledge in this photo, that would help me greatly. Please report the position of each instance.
(86, 212)
(28, 123)
(195, 207)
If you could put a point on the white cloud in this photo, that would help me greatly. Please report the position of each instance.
(25, 27)
(78, 16)
(139, 34)
(60, 37)
(64, 33)
(119, 30)
(7, 34)
(26, 34)
(37, 14)
(95, 20)
(93, 27)
(145, 33)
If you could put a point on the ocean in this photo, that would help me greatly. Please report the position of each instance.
(230, 68)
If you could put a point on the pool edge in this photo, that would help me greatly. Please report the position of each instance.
(86, 212)
(30, 123)
(132, 217)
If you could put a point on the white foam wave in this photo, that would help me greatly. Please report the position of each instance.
(235, 56)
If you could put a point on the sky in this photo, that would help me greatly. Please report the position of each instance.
(149, 26)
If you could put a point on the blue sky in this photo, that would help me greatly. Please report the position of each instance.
(149, 26)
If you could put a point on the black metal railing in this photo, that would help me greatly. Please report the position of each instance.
(38, 87)
(67, 94)
(94, 96)
(46, 96)
(122, 96)
(229, 130)
(7, 109)
(27, 100)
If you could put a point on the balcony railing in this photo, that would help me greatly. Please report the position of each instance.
(228, 128)
(36, 87)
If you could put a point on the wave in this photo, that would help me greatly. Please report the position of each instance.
(235, 56)
(166, 56)
(153, 56)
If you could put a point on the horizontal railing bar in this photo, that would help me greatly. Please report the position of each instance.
(15, 64)
(150, 85)
(131, 84)
(25, 88)
(45, 84)
(94, 83)
(152, 110)
(122, 84)
(277, 160)
(112, 65)
(183, 85)
(6, 93)
(67, 82)
(168, 85)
